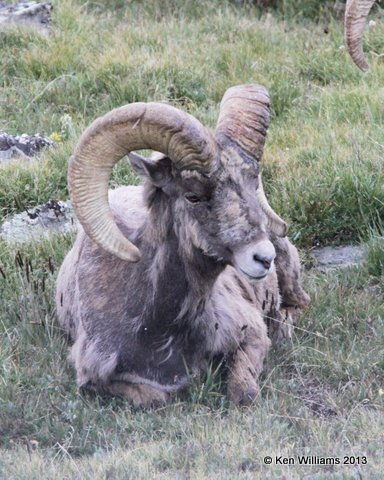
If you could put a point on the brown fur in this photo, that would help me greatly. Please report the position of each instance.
(140, 330)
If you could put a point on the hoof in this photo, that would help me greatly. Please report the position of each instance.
(140, 395)
(243, 395)
(249, 397)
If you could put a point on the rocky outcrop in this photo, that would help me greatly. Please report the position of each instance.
(26, 13)
(24, 145)
(39, 222)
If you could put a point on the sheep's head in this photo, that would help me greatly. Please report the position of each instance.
(212, 181)
(356, 13)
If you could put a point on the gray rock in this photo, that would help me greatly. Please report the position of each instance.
(26, 13)
(328, 258)
(39, 223)
(24, 146)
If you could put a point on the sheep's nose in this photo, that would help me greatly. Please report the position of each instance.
(255, 259)
(266, 261)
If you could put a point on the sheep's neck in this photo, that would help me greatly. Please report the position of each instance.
(179, 278)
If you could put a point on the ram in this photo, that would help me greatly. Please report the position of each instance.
(182, 269)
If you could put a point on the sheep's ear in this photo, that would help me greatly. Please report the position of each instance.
(159, 172)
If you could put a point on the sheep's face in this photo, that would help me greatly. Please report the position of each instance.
(218, 215)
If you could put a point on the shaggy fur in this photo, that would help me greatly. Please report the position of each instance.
(141, 330)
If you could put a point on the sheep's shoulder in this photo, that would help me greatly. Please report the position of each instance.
(128, 208)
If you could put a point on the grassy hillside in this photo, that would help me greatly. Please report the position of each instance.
(322, 392)
(323, 157)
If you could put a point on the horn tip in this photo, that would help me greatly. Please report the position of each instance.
(132, 254)
(284, 230)
(280, 228)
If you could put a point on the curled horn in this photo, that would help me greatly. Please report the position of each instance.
(356, 12)
(243, 124)
(108, 139)
(244, 119)
(276, 224)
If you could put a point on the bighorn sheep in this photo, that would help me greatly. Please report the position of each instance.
(356, 13)
(168, 274)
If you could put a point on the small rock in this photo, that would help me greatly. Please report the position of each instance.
(52, 217)
(24, 146)
(26, 13)
(328, 258)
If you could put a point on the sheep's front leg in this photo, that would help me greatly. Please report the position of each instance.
(280, 324)
(138, 394)
(246, 366)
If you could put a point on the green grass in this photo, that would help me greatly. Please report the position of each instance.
(323, 157)
(322, 392)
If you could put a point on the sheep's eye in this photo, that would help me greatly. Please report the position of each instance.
(191, 197)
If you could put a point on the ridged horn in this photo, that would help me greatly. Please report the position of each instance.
(136, 126)
(356, 13)
(243, 124)
(244, 119)
(275, 223)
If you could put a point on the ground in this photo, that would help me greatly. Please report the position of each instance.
(323, 391)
